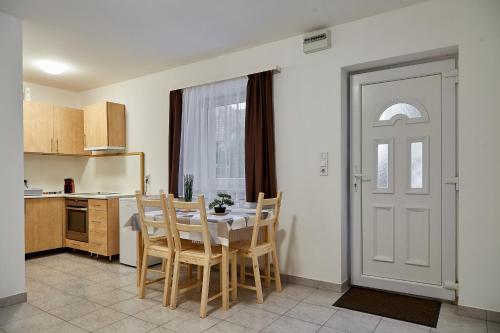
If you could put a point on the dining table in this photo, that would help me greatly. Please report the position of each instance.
(236, 224)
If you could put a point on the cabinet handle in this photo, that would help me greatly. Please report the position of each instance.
(57, 145)
(51, 145)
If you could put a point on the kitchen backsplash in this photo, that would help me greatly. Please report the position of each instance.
(111, 174)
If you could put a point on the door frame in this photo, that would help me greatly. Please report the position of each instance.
(447, 70)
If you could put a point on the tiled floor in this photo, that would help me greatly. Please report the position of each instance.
(72, 293)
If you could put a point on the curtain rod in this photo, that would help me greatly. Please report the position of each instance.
(274, 69)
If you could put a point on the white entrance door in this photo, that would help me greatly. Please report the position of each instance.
(403, 159)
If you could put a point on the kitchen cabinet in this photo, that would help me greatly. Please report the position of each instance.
(38, 123)
(104, 126)
(68, 131)
(43, 224)
(50, 129)
(103, 227)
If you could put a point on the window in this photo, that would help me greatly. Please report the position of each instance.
(417, 165)
(384, 171)
(402, 109)
(395, 111)
(213, 138)
(230, 149)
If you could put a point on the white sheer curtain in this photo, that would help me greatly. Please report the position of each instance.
(213, 138)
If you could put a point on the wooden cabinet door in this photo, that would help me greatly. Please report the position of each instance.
(96, 125)
(38, 127)
(68, 131)
(43, 224)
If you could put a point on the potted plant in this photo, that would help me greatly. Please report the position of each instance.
(218, 203)
(188, 187)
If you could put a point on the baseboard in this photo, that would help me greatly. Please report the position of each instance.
(475, 313)
(14, 299)
(339, 288)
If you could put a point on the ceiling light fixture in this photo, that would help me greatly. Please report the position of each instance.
(52, 67)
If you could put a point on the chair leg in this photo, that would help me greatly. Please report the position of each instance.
(242, 270)
(163, 263)
(204, 291)
(234, 277)
(276, 266)
(220, 277)
(267, 271)
(175, 283)
(168, 279)
(142, 283)
(199, 276)
(256, 274)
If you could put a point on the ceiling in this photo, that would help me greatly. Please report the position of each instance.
(107, 41)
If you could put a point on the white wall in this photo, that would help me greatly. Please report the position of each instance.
(61, 97)
(308, 109)
(11, 145)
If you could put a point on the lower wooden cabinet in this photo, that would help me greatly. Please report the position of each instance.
(43, 224)
(104, 227)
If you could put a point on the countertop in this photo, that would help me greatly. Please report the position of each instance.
(80, 196)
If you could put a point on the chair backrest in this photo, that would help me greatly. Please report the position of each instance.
(160, 203)
(270, 221)
(177, 226)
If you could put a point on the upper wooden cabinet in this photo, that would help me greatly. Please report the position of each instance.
(104, 126)
(68, 130)
(38, 122)
(50, 129)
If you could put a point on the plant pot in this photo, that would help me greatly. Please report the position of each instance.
(220, 210)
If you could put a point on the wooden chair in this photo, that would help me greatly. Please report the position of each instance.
(160, 246)
(204, 255)
(253, 249)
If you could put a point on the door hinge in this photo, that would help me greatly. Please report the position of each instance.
(453, 180)
(451, 74)
(451, 285)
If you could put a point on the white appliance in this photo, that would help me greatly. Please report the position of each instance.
(128, 254)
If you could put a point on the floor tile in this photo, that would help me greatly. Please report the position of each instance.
(253, 318)
(227, 327)
(223, 314)
(55, 300)
(90, 290)
(16, 312)
(159, 314)
(112, 297)
(326, 329)
(190, 322)
(396, 326)
(121, 281)
(276, 304)
(291, 325)
(353, 321)
(451, 323)
(133, 305)
(32, 324)
(312, 313)
(75, 310)
(161, 330)
(64, 327)
(295, 291)
(98, 319)
(128, 325)
(102, 275)
(323, 297)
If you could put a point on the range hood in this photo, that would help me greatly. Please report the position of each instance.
(107, 149)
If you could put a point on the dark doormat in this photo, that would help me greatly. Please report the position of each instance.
(391, 305)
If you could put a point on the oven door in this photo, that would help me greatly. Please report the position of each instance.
(77, 226)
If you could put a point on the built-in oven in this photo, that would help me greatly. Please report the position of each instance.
(77, 220)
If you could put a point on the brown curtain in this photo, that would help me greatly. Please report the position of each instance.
(174, 140)
(260, 162)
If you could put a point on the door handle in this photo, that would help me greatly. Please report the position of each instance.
(362, 177)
